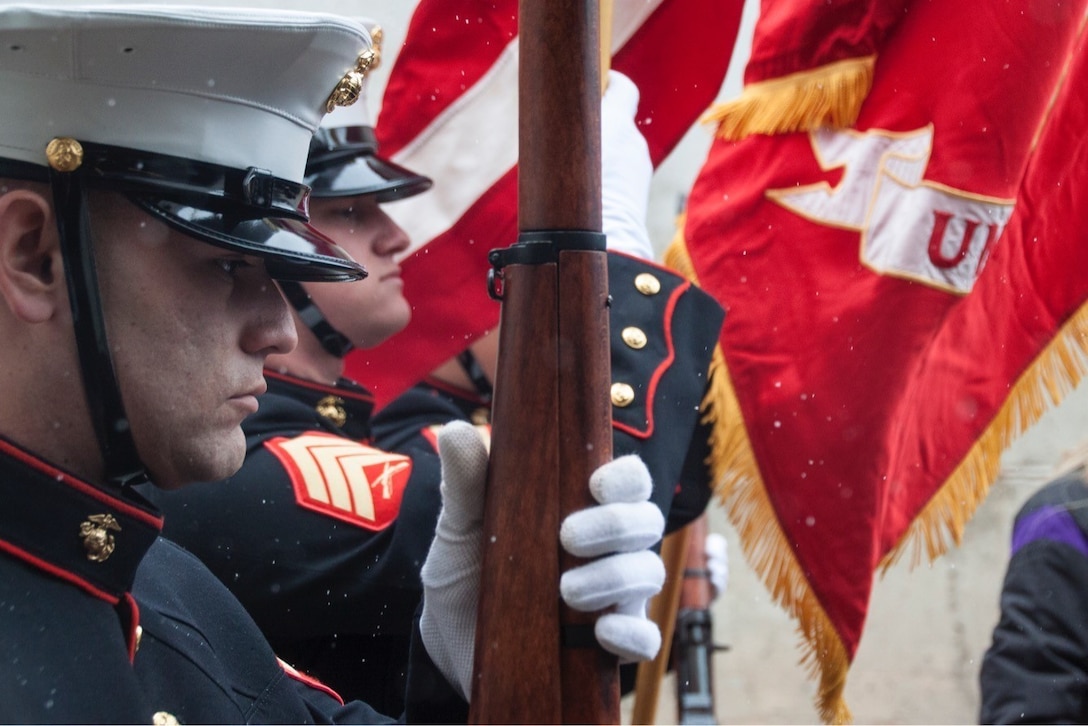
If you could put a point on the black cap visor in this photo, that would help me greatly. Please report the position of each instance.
(291, 248)
(247, 210)
(364, 174)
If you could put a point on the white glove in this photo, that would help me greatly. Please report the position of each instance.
(451, 574)
(625, 170)
(717, 562)
(625, 524)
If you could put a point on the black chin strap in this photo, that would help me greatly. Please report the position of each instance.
(123, 466)
(331, 339)
(475, 373)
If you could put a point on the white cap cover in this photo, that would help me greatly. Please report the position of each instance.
(240, 88)
(202, 116)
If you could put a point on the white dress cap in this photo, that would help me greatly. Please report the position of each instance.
(236, 87)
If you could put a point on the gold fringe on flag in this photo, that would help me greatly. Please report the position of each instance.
(829, 95)
(740, 489)
(1054, 373)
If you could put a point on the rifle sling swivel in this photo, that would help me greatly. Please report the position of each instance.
(539, 248)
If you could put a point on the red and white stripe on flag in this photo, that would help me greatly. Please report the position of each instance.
(450, 111)
(874, 288)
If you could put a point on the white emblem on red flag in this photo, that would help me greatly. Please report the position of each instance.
(910, 227)
(344, 479)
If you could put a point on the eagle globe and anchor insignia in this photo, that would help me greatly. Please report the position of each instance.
(350, 87)
(96, 532)
(332, 408)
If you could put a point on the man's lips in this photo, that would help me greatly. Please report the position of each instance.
(248, 399)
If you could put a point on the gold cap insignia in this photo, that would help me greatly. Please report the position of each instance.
(97, 539)
(332, 408)
(64, 154)
(350, 87)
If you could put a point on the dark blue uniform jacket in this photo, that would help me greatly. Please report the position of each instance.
(333, 584)
(106, 622)
(663, 334)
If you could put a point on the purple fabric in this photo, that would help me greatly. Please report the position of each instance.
(1050, 523)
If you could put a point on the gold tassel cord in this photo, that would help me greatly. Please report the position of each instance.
(1055, 372)
(829, 95)
(740, 489)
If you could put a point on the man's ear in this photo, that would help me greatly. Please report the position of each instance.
(31, 269)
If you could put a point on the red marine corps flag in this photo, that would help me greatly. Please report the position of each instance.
(450, 111)
(899, 306)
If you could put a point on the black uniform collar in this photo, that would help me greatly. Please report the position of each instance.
(474, 406)
(347, 405)
(79, 532)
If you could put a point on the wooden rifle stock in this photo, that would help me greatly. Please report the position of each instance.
(537, 661)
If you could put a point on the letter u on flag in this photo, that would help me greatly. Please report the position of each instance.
(450, 111)
(902, 300)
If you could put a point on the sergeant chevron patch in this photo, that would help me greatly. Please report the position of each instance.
(344, 479)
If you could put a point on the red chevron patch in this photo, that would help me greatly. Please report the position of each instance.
(344, 479)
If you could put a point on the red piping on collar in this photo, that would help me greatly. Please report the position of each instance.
(364, 396)
(58, 572)
(93, 492)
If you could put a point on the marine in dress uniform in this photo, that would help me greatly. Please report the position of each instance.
(322, 534)
(104, 621)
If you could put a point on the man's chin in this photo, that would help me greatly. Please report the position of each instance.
(212, 464)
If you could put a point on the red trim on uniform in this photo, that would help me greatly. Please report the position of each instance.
(457, 391)
(364, 396)
(83, 487)
(134, 625)
(651, 389)
(308, 680)
(431, 435)
(59, 572)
